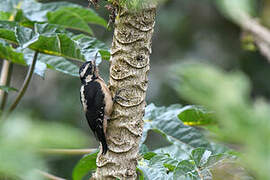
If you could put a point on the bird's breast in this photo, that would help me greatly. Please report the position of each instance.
(107, 97)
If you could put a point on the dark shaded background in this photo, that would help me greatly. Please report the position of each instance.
(185, 31)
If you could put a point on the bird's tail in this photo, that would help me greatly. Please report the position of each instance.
(102, 139)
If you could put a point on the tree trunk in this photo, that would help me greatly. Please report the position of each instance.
(131, 48)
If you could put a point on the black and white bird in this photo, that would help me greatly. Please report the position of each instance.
(96, 100)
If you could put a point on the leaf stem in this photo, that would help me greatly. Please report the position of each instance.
(67, 151)
(5, 80)
(49, 176)
(25, 83)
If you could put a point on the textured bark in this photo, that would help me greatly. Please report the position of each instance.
(131, 48)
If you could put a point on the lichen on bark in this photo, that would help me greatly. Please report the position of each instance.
(129, 66)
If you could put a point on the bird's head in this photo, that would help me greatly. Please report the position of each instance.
(88, 71)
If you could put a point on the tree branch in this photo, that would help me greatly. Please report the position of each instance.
(261, 34)
(129, 66)
(25, 83)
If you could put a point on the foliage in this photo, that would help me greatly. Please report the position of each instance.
(196, 115)
(243, 122)
(84, 166)
(189, 154)
(21, 139)
(32, 26)
(60, 32)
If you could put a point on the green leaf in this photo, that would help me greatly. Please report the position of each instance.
(8, 53)
(152, 172)
(60, 64)
(88, 15)
(140, 174)
(149, 155)
(16, 56)
(24, 21)
(4, 15)
(39, 12)
(84, 166)
(69, 19)
(200, 156)
(25, 57)
(170, 167)
(228, 94)
(198, 164)
(178, 150)
(91, 46)
(36, 11)
(7, 88)
(166, 121)
(105, 54)
(196, 115)
(52, 62)
(185, 170)
(52, 40)
(8, 29)
(75, 18)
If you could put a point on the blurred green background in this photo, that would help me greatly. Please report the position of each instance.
(184, 31)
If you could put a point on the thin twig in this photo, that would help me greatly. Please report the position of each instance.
(255, 28)
(261, 34)
(5, 77)
(67, 151)
(25, 83)
(49, 176)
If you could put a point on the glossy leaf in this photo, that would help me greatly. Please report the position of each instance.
(36, 11)
(228, 94)
(69, 19)
(91, 46)
(149, 155)
(53, 40)
(88, 15)
(166, 121)
(60, 64)
(75, 18)
(200, 156)
(8, 53)
(84, 166)
(177, 150)
(52, 62)
(185, 170)
(197, 165)
(25, 57)
(8, 29)
(152, 172)
(196, 115)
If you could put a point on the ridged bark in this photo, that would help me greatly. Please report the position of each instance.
(129, 66)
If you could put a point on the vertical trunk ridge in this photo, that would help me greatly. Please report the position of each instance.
(129, 66)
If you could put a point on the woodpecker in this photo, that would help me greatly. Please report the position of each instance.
(96, 100)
